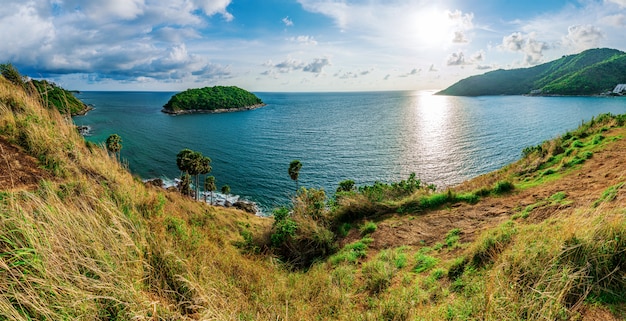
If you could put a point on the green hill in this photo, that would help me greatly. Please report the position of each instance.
(591, 72)
(55, 96)
(543, 238)
(52, 95)
(211, 99)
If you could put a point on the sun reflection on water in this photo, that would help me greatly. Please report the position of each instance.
(431, 130)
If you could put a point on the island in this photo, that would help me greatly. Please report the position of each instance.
(591, 72)
(217, 99)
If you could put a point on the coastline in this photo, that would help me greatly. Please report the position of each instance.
(84, 111)
(211, 111)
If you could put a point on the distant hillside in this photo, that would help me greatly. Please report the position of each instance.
(588, 73)
(52, 95)
(57, 97)
(211, 99)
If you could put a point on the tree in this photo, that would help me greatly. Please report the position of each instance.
(193, 163)
(185, 184)
(114, 144)
(294, 171)
(204, 167)
(183, 160)
(225, 189)
(209, 185)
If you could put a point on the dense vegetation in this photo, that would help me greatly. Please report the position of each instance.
(210, 99)
(51, 94)
(91, 242)
(57, 97)
(591, 72)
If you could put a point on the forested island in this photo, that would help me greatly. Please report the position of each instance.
(212, 100)
(592, 72)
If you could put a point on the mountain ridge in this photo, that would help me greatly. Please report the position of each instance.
(590, 72)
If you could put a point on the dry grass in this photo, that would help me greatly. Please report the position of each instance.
(93, 243)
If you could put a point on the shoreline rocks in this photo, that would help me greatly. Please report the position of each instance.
(210, 111)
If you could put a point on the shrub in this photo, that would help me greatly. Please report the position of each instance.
(453, 237)
(424, 262)
(368, 228)
(502, 187)
(346, 186)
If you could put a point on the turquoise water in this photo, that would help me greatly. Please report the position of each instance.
(366, 137)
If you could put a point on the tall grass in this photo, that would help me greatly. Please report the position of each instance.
(91, 242)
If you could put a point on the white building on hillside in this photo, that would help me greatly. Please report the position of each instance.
(619, 89)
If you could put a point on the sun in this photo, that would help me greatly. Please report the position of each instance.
(432, 27)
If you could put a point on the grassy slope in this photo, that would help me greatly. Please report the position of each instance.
(94, 243)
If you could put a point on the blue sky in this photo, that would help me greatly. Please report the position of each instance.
(295, 45)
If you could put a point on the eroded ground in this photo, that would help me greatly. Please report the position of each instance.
(18, 170)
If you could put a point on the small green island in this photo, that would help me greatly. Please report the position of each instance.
(217, 99)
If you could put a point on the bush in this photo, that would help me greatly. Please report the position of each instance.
(368, 228)
(503, 187)
(300, 240)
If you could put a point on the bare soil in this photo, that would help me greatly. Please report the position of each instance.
(582, 187)
(18, 170)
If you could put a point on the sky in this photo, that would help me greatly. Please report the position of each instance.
(295, 45)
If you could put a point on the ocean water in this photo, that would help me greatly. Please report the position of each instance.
(366, 137)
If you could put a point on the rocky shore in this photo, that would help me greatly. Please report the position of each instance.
(210, 111)
(215, 199)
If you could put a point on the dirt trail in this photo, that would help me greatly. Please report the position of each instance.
(582, 187)
(18, 170)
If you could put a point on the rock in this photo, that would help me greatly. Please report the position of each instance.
(154, 182)
(246, 206)
(83, 130)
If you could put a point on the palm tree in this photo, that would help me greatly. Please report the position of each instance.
(209, 185)
(183, 160)
(185, 184)
(225, 189)
(114, 144)
(204, 167)
(194, 164)
(294, 171)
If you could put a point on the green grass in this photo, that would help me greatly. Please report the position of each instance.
(608, 195)
(424, 262)
(368, 228)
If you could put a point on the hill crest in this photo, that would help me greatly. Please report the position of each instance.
(590, 72)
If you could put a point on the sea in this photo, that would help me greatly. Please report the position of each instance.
(362, 136)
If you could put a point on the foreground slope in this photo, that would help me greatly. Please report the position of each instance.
(80, 238)
(591, 72)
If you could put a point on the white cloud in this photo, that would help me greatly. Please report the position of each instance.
(317, 65)
(211, 7)
(288, 22)
(617, 20)
(432, 68)
(456, 59)
(583, 37)
(289, 65)
(305, 40)
(459, 58)
(621, 3)
(416, 24)
(527, 44)
(459, 37)
(413, 72)
(120, 39)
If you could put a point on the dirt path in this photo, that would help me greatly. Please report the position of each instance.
(582, 187)
(17, 169)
